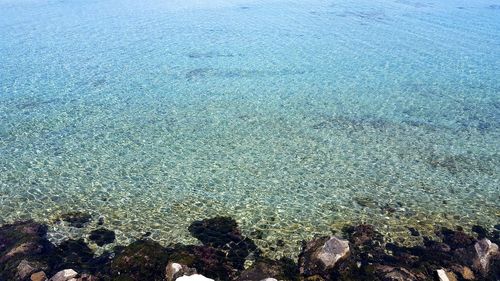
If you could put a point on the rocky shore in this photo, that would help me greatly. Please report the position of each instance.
(358, 253)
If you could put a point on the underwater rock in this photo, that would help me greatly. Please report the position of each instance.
(38, 276)
(414, 231)
(194, 277)
(223, 233)
(364, 236)
(141, 260)
(216, 232)
(481, 231)
(64, 275)
(456, 239)
(176, 270)
(76, 219)
(102, 236)
(322, 254)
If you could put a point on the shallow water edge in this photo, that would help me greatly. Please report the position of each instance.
(359, 252)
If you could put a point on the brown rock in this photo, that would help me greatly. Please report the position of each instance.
(389, 273)
(467, 273)
(21, 249)
(25, 269)
(87, 277)
(38, 276)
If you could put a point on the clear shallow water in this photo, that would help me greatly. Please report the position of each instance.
(293, 117)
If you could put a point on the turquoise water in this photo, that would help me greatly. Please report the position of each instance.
(293, 117)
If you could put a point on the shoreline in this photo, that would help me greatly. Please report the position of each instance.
(360, 252)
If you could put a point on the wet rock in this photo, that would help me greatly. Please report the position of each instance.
(485, 251)
(223, 233)
(266, 269)
(76, 219)
(64, 275)
(209, 261)
(26, 268)
(321, 255)
(194, 277)
(87, 277)
(74, 254)
(216, 232)
(22, 249)
(389, 273)
(102, 236)
(38, 276)
(141, 260)
(456, 239)
(22, 241)
(363, 235)
(176, 270)
(481, 231)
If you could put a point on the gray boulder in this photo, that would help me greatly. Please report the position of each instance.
(322, 254)
(484, 252)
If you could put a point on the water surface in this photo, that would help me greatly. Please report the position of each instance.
(294, 117)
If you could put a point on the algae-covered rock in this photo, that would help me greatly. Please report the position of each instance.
(263, 269)
(208, 261)
(216, 232)
(76, 219)
(23, 248)
(223, 234)
(141, 260)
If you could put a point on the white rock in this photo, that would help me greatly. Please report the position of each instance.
(194, 277)
(176, 267)
(269, 279)
(64, 275)
(442, 275)
(171, 270)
